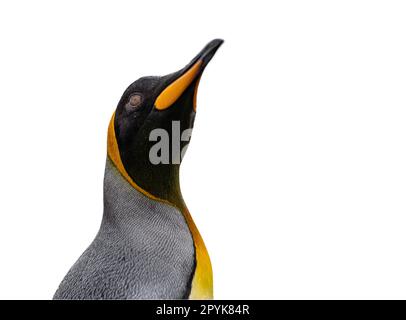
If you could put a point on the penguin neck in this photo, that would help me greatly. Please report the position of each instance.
(124, 198)
(202, 285)
(159, 183)
(165, 186)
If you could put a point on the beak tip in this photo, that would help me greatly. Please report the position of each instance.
(179, 81)
(217, 42)
(214, 44)
(209, 50)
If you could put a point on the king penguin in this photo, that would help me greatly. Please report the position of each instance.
(148, 246)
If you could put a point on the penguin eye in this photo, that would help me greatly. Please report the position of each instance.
(135, 101)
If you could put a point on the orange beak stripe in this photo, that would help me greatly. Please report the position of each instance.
(173, 91)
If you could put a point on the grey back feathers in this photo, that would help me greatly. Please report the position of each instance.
(143, 250)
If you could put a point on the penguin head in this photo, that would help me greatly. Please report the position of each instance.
(152, 124)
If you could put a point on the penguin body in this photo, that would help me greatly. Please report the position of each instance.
(148, 246)
(144, 249)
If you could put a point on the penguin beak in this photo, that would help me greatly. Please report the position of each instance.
(178, 82)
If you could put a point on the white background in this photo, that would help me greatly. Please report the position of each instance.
(296, 174)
